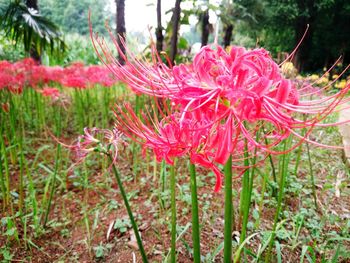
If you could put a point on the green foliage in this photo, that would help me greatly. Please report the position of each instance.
(8, 51)
(72, 16)
(79, 49)
(282, 24)
(122, 225)
(25, 25)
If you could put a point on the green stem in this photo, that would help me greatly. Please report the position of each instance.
(53, 185)
(173, 214)
(228, 212)
(21, 176)
(57, 162)
(283, 177)
(7, 198)
(312, 176)
(162, 180)
(262, 194)
(2, 174)
(195, 217)
(247, 188)
(297, 160)
(274, 192)
(126, 202)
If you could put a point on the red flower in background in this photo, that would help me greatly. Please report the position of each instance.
(50, 92)
(27, 73)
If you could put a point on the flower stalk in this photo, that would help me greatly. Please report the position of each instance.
(195, 217)
(126, 203)
(228, 211)
(283, 176)
(312, 176)
(173, 214)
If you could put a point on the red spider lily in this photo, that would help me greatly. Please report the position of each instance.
(12, 77)
(199, 136)
(74, 81)
(5, 107)
(27, 73)
(6, 79)
(247, 84)
(4, 65)
(243, 90)
(50, 92)
(39, 75)
(99, 75)
(74, 76)
(95, 140)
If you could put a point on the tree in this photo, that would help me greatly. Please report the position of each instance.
(175, 29)
(22, 22)
(72, 15)
(232, 13)
(121, 31)
(34, 54)
(205, 27)
(328, 37)
(159, 30)
(300, 24)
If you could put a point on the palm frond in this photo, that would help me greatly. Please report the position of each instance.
(21, 23)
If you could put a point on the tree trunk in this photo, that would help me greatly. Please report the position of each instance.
(205, 27)
(301, 59)
(121, 31)
(34, 54)
(159, 30)
(175, 24)
(228, 34)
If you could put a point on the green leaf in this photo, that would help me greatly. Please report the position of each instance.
(183, 44)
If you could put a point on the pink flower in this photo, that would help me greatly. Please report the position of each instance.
(198, 135)
(241, 95)
(99, 75)
(103, 141)
(50, 92)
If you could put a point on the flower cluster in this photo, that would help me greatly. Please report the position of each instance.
(27, 73)
(222, 104)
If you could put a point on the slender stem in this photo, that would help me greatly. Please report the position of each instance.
(155, 168)
(162, 179)
(283, 176)
(297, 160)
(7, 198)
(57, 161)
(247, 188)
(53, 186)
(195, 217)
(228, 212)
(272, 168)
(246, 202)
(21, 173)
(262, 194)
(126, 202)
(4, 190)
(173, 214)
(312, 176)
(274, 192)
